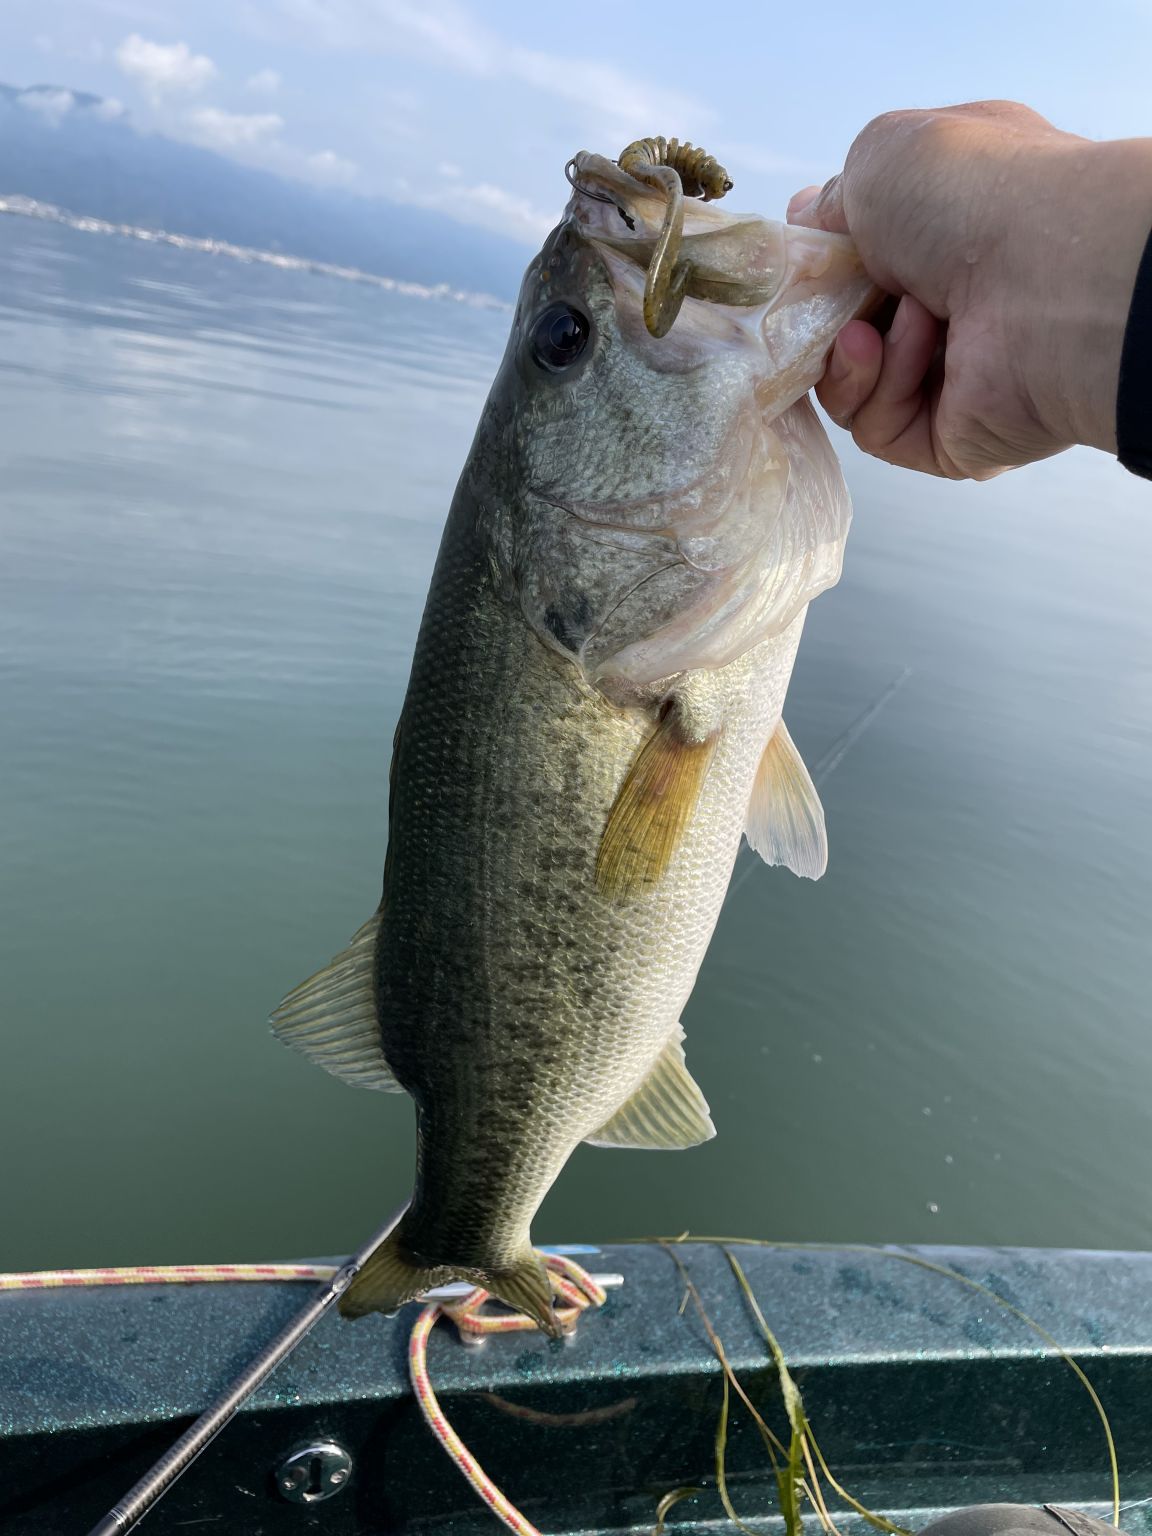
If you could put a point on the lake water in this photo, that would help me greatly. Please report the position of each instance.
(222, 493)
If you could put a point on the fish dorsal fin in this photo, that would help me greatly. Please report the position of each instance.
(666, 1112)
(331, 1018)
(785, 818)
(652, 809)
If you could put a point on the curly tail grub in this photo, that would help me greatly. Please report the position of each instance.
(679, 171)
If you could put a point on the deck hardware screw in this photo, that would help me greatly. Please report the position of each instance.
(314, 1472)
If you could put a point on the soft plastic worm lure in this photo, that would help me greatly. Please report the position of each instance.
(679, 171)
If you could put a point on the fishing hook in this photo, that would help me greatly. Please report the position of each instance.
(599, 197)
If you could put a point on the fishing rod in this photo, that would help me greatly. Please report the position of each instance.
(847, 740)
(136, 1503)
(155, 1483)
(125, 1515)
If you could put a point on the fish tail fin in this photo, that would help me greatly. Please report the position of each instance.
(525, 1287)
(389, 1278)
(392, 1276)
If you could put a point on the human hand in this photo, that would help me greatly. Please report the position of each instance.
(1013, 248)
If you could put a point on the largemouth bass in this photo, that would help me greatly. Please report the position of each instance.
(593, 720)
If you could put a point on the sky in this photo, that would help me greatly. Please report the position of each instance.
(474, 106)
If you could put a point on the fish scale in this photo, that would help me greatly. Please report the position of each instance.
(592, 720)
(546, 1020)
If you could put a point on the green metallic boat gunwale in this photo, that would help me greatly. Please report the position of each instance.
(924, 1394)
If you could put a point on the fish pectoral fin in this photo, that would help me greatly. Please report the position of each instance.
(331, 1018)
(666, 1112)
(652, 809)
(785, 818)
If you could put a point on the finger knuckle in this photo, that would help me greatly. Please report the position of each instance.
(903, 457)
(1002, 108)
(888, 123)
(898, 155)
(877, 425)
(962, 447)
(895, 130)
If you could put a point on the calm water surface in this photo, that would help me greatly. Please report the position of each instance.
(222, 494)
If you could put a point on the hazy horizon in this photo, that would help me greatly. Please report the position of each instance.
(473, 111)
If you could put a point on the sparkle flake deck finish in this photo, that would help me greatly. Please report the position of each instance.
(923, 1394)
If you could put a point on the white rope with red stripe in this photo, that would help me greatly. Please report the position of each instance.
(162, 1274)
(574, 1287)
(575, 1290)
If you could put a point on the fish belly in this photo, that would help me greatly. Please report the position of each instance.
(518, 1006)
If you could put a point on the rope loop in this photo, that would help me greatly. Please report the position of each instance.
(575, 1291)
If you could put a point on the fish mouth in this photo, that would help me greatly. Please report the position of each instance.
(704, 256)
(797, 286)
(740, 260)
(608, 201)
(602, 180)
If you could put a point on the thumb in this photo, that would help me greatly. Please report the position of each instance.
(820, 208)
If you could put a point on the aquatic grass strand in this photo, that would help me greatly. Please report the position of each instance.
(1077, 1370)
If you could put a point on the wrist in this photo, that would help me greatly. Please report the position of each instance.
(1076, 268)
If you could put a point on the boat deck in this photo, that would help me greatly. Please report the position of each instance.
(924, 1396)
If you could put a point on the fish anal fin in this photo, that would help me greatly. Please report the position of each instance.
(652, 809)
(785, 818)
(331, 1017)
(665, 1113)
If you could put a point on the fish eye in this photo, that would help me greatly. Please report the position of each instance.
(558, 337)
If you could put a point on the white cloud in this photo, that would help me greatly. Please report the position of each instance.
(624, 104)
(50, 104)
(483, 203)
(616, 101)
(217, 129)
(164, 69)
(54, 103)
(505, 211)
(265, 82)
(449, 168)
(330, 169)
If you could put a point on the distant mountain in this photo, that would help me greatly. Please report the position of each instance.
(84, 154)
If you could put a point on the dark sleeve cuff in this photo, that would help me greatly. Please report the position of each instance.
(1134, 390)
